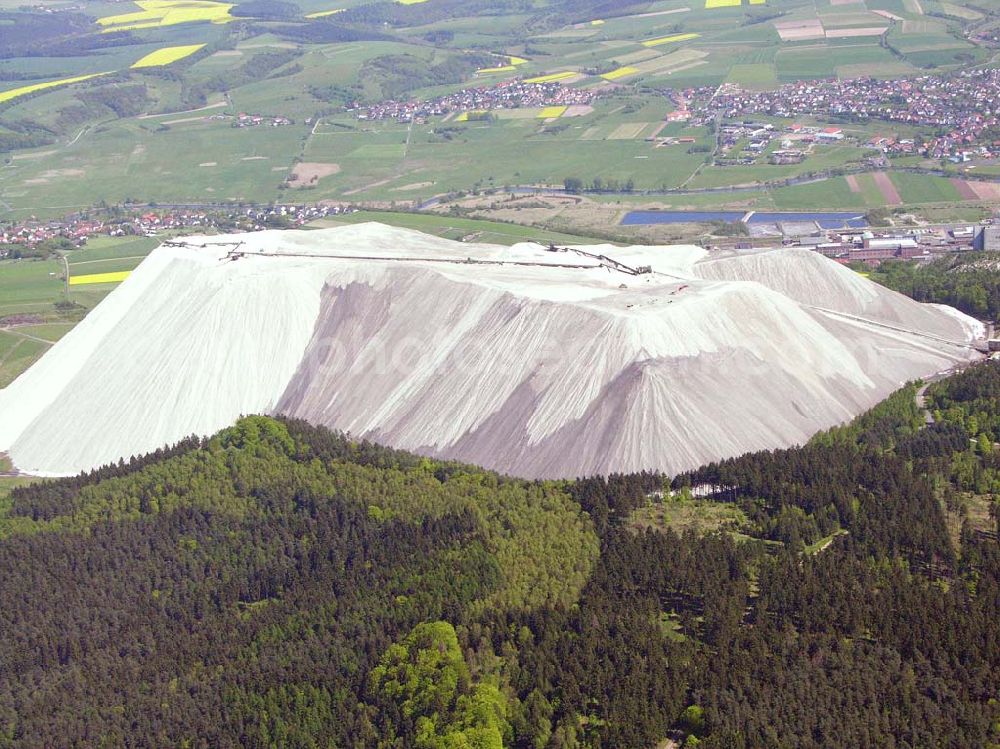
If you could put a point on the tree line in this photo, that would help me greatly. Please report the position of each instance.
(970, 283)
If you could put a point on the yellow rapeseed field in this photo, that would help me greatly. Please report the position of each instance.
(551, 77)
(99, 278)
(548, 112)
(512, 61)
(167, 55)
(723, 3)
(324, 13)
(167, 13)
(669, 39)
(614, 75)
(16, 92)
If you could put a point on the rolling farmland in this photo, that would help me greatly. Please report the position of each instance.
(667, 45)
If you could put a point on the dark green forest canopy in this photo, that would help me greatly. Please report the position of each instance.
(969, 282)
(280, 585)
(970, 399)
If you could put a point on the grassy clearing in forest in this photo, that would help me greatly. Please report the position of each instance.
(698, 515)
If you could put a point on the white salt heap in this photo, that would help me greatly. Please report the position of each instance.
(533, 370)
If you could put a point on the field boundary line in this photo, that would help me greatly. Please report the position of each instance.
(26, 336)
(108, 260)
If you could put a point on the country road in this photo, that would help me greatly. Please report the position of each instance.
(921, 395)
(17, 332)
(921, 400)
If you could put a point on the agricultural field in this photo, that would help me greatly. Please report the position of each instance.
(835, 194)
(825, 157)
(159, 13)
(30, 287)
(166, 56)
(102, 250)
(37, 307)
(89, 279)
(451, 227)
(753, 75)
(389, 161)
(150, 110)
(179, 161)
(920, 188)
(17, 353)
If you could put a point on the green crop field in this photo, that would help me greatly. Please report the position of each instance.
(34, 295)
(832, 194)
(111, 249)
(753, 75)
(29, 287)
(17, 353)
(8, 342)
(921, 188)
(51, 332)
(187, 161)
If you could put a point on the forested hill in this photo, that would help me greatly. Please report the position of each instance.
(278, 585)
(969, 282)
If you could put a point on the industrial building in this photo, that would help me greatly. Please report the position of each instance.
(989, 239)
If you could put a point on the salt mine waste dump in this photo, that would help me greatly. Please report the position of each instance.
(535, 361)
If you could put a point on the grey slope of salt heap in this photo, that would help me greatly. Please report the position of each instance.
(529, 366)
